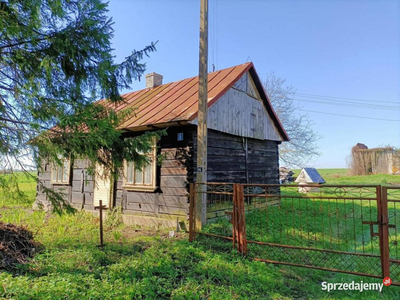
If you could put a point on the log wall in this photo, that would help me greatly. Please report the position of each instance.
(241, 160)
(175, 172)
(230, 159)
(78, 192)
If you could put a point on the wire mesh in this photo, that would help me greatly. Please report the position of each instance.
(332, 227)
(392, 194)
(323, 259)
(219, 208)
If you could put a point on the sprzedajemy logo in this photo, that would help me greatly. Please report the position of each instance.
(387, 281)
(355, 286)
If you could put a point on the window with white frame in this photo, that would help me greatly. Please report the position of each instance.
(61, 173)
(143, 177)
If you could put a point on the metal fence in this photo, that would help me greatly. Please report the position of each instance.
(391, 196)
(343, 228)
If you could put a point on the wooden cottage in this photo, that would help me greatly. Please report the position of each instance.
(243, 137)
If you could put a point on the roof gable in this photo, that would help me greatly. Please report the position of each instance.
(246, 85)
(177, 102)
(241, 111)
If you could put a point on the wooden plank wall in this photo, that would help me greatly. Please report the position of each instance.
(44, 177)
(246, 84)
(263, 161)
(82, 185)
(79, 191)
(242, 112)
(170, 200)
(227, 160)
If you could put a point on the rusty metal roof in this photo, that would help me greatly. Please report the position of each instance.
(177, 102)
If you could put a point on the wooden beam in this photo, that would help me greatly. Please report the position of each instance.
(201, 174)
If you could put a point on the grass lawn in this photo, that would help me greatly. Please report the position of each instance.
(138, 263)
(341, 176)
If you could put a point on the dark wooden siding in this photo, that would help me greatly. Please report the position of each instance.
(44, 177)
(173, 176)
(227, 160)
(79, 191)
(263, 161)
(82, 185)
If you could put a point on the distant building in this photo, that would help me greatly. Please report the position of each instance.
(364, 161)
(311, 178)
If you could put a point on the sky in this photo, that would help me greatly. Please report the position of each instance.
(348, 49)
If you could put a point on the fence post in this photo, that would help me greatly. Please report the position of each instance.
(101, 224)
(383, 219)
(239, 222)
(242, 223)
(192, 205)
(234, 217)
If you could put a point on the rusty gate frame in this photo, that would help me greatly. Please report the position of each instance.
(239, 240)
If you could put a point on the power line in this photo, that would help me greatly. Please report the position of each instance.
(347, 102)
(213, 25)
(351, 104)
(332, 97)
(360, 117)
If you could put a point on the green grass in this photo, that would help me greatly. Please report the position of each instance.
(334, 224)
(152, 266)
(20, 195)
(341, 176)
(146, 264)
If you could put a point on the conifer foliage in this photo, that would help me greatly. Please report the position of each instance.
(56, 60)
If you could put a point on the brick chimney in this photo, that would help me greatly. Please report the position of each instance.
(153, 80)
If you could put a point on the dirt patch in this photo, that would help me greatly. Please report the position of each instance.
(17, 245)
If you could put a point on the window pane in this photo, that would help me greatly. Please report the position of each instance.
(59, 173)
(129, 174)
(138, 176)
(54, 173)
(148, 174)
(65, 171)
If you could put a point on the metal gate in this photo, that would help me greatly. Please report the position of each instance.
(391, 202)
(342, 228)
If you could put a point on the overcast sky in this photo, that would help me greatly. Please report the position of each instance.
(337, 48)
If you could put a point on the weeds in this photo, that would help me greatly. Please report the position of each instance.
(113, 218)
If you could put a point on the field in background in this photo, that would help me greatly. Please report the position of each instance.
(26, 185)
(139, 263)
(341, 176)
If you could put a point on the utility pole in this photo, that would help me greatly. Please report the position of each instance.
(201, 174)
